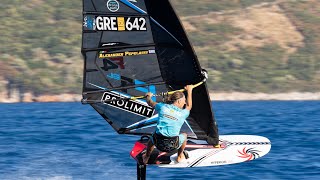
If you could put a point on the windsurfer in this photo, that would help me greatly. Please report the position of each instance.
(171, 118)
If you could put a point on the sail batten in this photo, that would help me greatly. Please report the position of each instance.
(131, 48)
(125, 87)
(117, 47)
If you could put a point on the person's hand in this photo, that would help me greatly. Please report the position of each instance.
(149, 94)
(188, 88)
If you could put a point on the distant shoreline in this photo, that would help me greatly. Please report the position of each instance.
(215, 96)
(240, 96)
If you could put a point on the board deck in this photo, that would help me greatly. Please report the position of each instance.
(233, 149)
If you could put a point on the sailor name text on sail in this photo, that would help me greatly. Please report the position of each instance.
(103, 54)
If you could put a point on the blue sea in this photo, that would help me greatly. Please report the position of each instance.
(58, 141)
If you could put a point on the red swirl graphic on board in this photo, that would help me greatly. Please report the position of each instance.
(249, 154)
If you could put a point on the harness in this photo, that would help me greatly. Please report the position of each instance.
(164, 143)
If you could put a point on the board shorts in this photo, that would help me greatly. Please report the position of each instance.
(167, 144)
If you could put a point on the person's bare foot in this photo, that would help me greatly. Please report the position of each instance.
(181, 158)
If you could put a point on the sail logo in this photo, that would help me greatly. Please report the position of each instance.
(134, 107)
(128, 81)
(104, 23)
(109, 44)
(89, 22)
(113, 5)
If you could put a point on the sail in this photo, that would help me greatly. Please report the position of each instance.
(131, 47)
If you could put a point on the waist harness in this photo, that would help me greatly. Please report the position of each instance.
(164, 143)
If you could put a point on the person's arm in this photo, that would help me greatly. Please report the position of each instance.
(149, 100)
(189, 89)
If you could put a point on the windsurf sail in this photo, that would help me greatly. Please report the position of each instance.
(132, 47)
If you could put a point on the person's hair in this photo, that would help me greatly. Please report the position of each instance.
(173, 97)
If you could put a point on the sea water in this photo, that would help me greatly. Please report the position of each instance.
(71, 141)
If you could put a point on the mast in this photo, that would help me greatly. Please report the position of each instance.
(141, 172)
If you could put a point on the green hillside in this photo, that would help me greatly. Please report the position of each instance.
(188, 7)
(40, 44)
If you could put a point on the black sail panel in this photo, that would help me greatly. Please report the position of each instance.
(182, 67)
(132, 47)
(120, 62)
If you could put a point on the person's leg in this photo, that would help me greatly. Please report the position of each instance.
(146, 156)
(183, 142)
